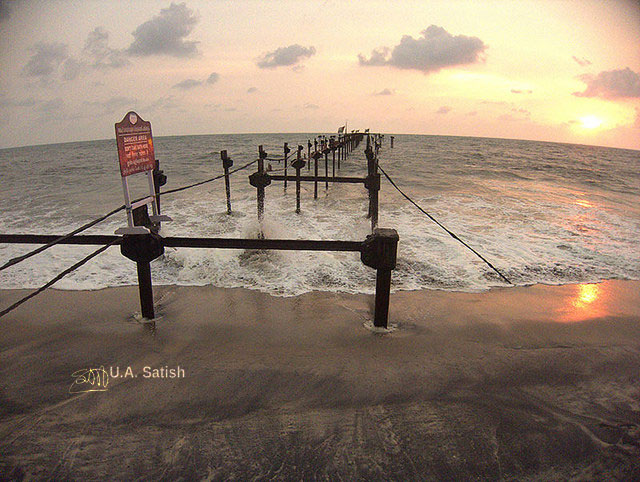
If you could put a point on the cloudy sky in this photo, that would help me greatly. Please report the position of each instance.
(566, 71)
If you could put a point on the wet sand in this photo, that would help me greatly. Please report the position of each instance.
(534, 383)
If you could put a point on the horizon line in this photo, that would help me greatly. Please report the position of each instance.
(325, 132)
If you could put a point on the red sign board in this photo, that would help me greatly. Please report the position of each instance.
(135, 145)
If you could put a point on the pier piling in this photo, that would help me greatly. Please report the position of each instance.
(143, 249)
(226, 164)
(380, 252)
(260, 180)
(286, 151)
(298, 164)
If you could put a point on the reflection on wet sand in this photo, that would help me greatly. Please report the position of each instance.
(586, 301)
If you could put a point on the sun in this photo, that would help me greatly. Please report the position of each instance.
(590, 122)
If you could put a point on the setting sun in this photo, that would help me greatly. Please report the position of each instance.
(590, 122)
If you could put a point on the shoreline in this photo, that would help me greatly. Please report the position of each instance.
(528, 382)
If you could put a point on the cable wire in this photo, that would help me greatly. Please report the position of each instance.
(453, 235)
(64, 237)
(84, 227)
(59, 277)
(200, 183)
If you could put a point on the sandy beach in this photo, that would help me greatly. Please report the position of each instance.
(529, 383)
(539, 382)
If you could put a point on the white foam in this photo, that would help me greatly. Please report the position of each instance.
(534, 231)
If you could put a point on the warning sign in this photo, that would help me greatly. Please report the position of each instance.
(135, 145)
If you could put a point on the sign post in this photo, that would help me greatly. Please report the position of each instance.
(136, 155)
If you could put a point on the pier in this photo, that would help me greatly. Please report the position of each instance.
(142, 243)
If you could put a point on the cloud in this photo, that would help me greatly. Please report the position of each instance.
(637, 123)
(52, 106)
(251, 90)
(113, 105)
(51, 58)
(311, 106)
(445, 109)
(165, 33)
(383, 92)
(98, 52)
(581, 62)
(71, 69)
(611, 84)
(436, 49)
(518, 91)
(378, 57)
(472, 113)
(163, 104)
(187, 84)
(47, 58)
(118, 102)
(284, 56)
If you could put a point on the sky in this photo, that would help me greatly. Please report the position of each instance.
(550, 70)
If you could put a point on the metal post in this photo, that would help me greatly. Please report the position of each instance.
(226, 164)
(383, 292)
(286, 153)
(391, 142)
(374, 205)
(156, 182)
(380, 251)
(146, 289)
(315, 158)
(309, 155)
(298, 167)
(143, 249)
(333, 158)
(261, 157)
(373, 185)
(326, 164)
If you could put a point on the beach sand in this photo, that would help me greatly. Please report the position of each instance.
(540, 382)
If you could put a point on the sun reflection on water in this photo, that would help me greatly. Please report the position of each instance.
(584, 203)
(586, 302)
(587, 294)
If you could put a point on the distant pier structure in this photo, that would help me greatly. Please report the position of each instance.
(141, 241)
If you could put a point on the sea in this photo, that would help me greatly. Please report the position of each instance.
(540, 212)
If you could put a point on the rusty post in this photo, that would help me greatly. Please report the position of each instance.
(380, 252)
(260, 180)
(315, 167)
(261, 157)
(286, 153)
(372, 183)
(159, 180)
(145, 289)
(157, 173)
(332, 146)
(226, 164)
(325, 151)
(298, 164)
(143, 249)
(391, 142)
